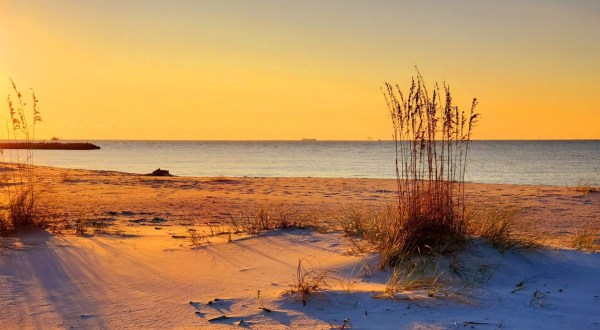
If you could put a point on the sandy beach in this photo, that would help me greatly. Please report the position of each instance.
(323, 165)
(554, 213)
(139, 269)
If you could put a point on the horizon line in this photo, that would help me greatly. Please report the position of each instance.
(288, 140)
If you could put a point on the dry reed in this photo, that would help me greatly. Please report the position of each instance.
(22, 209)
(432, 139)
(308, 282)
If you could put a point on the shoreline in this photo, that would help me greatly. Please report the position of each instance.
(489, 162)
(175, 175)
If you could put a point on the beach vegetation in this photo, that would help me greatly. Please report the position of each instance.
(80, 226)
(585, 239)
(261, 304)
(428, 278)
(496, 224)
(585, 187)
(407, 279)
(432, 137)
(265, 218)
(344, 326)
(309, 282)
(22, 208)
(355, 221)
(198, 236)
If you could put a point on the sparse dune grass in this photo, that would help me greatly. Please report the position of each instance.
(265, 218)
(586, 239)
(495, 224)
(586, 188)
(309, 282)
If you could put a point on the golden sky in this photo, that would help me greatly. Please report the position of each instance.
(279, 70)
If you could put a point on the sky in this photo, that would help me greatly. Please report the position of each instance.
(286, 70)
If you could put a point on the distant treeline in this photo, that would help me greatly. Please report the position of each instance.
(49, 146)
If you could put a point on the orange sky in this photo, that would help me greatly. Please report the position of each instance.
(291, 69)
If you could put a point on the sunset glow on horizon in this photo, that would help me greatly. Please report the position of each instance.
(283, 70)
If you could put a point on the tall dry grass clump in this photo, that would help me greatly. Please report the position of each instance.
(432, 138)
(21, 208)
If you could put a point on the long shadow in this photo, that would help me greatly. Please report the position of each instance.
(48, 276)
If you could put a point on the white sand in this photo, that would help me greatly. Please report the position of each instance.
(147, 280)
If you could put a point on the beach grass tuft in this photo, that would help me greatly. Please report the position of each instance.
(495, 224)
(22, 207)
(585, 187)
(586, 239)
(265, 218)
(309, 282)
(432, 138)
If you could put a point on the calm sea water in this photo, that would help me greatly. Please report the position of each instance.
(518, 162)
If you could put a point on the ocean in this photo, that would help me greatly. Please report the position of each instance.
(563, 163)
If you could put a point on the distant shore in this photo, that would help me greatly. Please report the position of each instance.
(49, 145)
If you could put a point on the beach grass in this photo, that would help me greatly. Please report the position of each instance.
(267, 218)
(432, 138)
(309, 282)
(496, 224)
(22, 208)
(586, 239)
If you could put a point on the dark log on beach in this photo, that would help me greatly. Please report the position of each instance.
(49, 146)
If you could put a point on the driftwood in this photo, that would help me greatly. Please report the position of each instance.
(159, 172)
